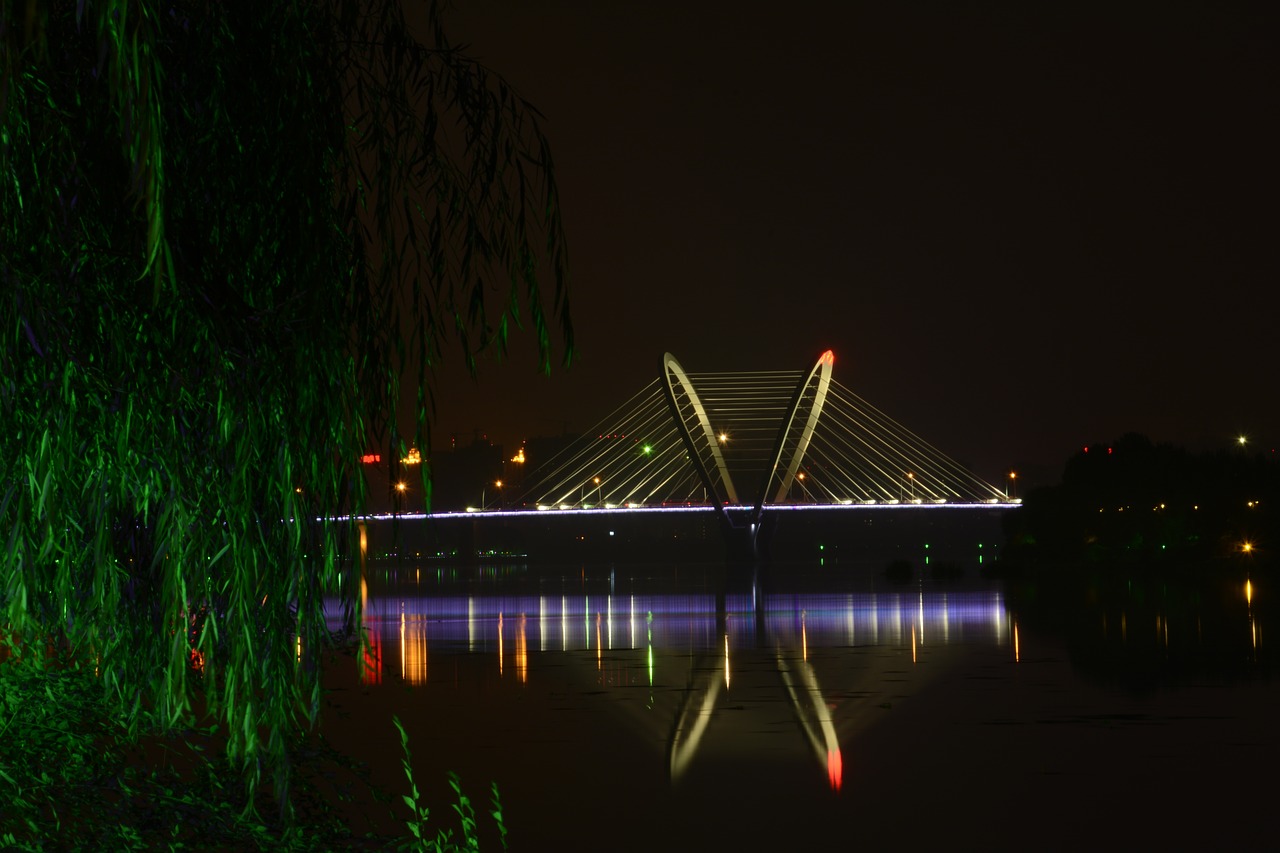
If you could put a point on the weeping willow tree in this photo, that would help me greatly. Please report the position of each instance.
(227, 231)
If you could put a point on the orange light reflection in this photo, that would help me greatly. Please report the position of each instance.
(522, 651)
(804, 638)
(835, 768)
(413, 651)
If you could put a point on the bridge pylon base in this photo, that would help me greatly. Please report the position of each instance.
(748, 538)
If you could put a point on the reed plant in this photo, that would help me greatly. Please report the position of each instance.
(468, 839)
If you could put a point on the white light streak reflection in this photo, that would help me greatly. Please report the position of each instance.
(921, 622)
(687, 621)
(726, 661)
(471, 624)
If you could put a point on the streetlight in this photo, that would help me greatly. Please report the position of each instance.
(596, 480)
(400, 490)
(911, 480)
(498, 483)
(1013, 481)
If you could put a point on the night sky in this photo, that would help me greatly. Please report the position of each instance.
(1021, 227)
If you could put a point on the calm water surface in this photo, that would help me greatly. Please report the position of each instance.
(815, 707)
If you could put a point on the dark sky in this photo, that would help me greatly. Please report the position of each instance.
(1021, 227)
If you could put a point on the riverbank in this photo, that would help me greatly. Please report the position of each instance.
(72, 777)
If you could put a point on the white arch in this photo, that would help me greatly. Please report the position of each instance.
(671, 368)
(823, 371)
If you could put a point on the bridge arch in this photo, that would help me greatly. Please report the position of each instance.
(820, 379)
(673, 375)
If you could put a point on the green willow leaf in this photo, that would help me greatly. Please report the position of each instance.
(244, 225)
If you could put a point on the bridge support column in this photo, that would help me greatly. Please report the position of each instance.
(749, 537)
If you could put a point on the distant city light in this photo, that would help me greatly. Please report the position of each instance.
(414, 457)
(371, 458)
(519, 457)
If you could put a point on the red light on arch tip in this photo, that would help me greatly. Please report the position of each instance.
(828, 358)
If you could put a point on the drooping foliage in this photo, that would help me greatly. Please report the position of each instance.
(227, 230)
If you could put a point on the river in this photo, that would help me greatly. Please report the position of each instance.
(815, 705)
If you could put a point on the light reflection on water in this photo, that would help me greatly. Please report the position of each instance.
(486, 623)
(773, 692)
(700, 638)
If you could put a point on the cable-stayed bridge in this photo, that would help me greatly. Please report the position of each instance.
(742, 443)
(773, 437)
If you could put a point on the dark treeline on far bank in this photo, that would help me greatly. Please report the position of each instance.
(1140, 502)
